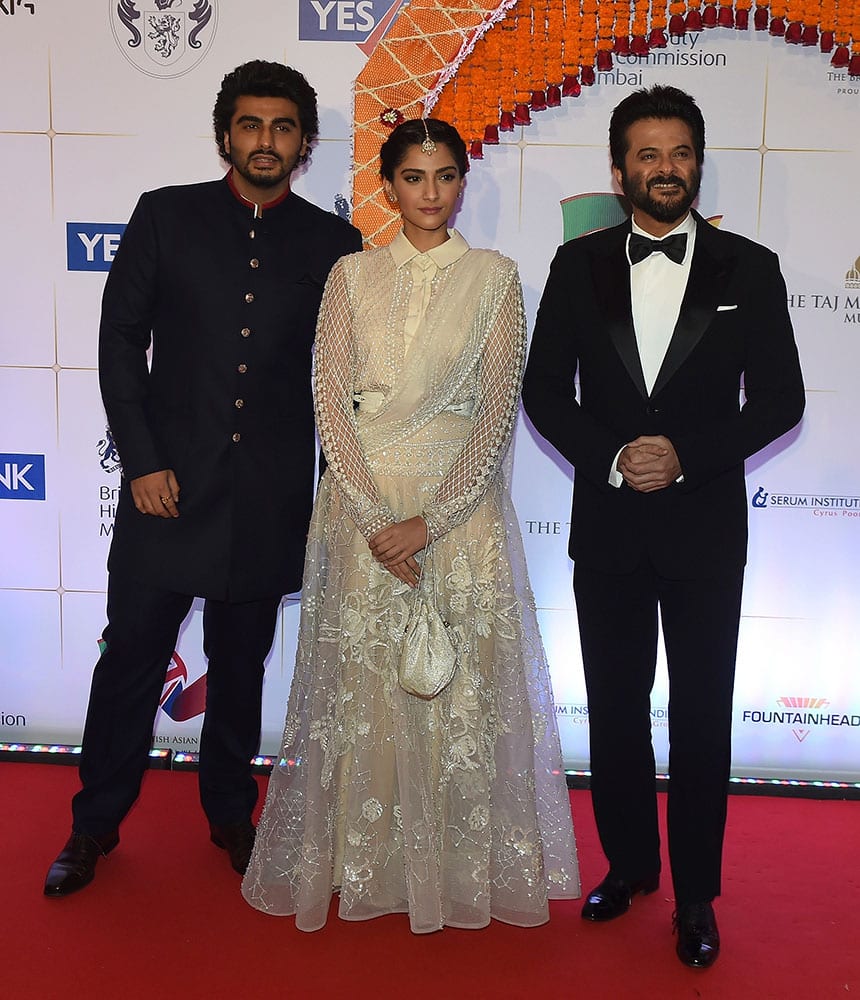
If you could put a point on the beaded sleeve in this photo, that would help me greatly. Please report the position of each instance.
(333, 386)
(499, 384)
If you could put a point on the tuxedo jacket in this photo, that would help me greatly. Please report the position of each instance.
(733, 330)
(228, 305)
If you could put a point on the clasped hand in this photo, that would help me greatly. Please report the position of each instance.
(649, 463)
(396, 545)
(156, 493)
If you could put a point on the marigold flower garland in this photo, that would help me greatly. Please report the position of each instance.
(554, 51)
(657, 36)
(621, 27)
(538, 60)
(639, 26)
(794, 16)
(544, 50)
(588, 41)
(693, 20)
(677, 24)
(854, 62)
(605, 34)
(828, 22)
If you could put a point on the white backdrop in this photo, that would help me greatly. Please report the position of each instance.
(87, 122)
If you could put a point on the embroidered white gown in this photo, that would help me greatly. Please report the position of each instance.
(454, 810)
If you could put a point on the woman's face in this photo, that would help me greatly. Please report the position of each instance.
(426, 189)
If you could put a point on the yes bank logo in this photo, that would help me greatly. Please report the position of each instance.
(92, 246)
(22, 477)
(344, 20)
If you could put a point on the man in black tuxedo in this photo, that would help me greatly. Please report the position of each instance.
(224, 280)
(662, 335)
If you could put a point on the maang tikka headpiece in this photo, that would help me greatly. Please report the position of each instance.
(428, 147)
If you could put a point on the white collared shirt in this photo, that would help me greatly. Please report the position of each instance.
(657, 287)
(424, 267)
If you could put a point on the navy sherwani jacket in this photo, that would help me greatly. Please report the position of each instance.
(228, 304)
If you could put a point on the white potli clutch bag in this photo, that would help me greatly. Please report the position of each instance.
(428, 658)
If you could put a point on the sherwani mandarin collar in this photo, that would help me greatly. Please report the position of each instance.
(258, 208)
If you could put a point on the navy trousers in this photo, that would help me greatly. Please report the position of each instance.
(140, 637)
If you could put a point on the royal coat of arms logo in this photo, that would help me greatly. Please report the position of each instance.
(109, 458)
(164, 38)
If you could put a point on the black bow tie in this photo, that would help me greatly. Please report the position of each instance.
(641, 247)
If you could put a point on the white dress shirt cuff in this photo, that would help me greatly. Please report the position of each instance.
(615, 477)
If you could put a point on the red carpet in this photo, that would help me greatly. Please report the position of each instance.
(164, 918)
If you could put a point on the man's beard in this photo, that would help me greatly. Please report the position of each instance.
(263, 178)
(662, 210)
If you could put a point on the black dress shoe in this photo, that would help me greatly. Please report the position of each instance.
(698, 937)
(237, 839)
(613, 896)
(75, 866)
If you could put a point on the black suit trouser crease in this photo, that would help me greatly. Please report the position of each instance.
(618, 624)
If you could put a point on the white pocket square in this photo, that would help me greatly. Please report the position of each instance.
(725, 308)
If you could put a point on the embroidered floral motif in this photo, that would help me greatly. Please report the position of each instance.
(390, 797)
(371, 809)
(479, 817)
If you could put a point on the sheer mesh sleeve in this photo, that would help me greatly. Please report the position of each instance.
(500, 381)
(333, 382)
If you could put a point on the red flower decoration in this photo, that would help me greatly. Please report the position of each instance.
(677, 27)
(570, 87)
(840, 57)
(826, 41)
(709, 16)
(726, 17)
(657, 38)
(553, 96)
(391, 117)
(587, 75)
(538, 101)
(761, 18)
(742, 19)
(506, 121)
(491, 135)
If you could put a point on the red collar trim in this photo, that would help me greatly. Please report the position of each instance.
(259, 208)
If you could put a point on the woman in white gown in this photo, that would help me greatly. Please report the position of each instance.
(453, 809)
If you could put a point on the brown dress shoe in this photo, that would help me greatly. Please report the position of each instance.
(613, 896)
(75, 866)
(237, 839)
(698, 938)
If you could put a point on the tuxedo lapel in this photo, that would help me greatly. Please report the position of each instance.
(612, 285)
(710, 271)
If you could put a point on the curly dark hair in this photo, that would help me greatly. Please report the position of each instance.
(412, 133)
(656, 102)
(265, 79)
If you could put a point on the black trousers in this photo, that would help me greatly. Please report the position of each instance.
(143, 625)
(618, 632)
